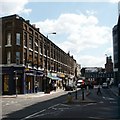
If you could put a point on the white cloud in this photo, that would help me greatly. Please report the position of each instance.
(92, 61)
(13, 7)
(81, 33)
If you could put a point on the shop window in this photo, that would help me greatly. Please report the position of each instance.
(5, 81)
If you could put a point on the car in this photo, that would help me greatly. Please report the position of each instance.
(104, 85)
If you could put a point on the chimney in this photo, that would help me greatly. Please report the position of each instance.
(28, 21)
(38, 29)
(34, 25)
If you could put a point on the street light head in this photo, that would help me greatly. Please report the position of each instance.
(51, 33)
(54, 33)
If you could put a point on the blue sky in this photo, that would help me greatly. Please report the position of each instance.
(83, 28)
(106, 12)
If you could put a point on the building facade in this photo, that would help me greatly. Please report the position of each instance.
(116, 51)
(29, 58)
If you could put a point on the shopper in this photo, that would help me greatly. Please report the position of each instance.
(119, 89)
(99, 91)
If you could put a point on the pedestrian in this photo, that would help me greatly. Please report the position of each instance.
(99, 91)
(119, 89)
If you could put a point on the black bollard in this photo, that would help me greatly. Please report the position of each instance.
(82, 93)
(76, 94)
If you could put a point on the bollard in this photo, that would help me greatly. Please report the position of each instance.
(69, 98)
(82, 93)
(88, 92)
(76, 94)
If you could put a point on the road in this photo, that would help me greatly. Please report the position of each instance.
(105, 106)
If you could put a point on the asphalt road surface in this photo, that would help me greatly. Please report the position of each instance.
(103, 107)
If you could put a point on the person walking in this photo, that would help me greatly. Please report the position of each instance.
(119, 89)
(99, 91)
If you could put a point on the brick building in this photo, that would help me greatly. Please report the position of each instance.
(29, 58)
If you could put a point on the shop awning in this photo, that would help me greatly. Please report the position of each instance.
(54, 77)
(39, 73)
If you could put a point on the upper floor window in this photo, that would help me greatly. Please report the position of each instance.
(25, 39)
(17, 38)
(8, 25)
(17, 57)
(8, 57)
(31, 42)
(9, 37)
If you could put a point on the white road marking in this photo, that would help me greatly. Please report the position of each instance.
(90, 104)
(33, 114)
(39, 112)
(101, 102)
(114, 102)
(99, 118)
(53, 106)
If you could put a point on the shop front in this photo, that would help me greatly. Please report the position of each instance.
(11, 85)
(33, 80)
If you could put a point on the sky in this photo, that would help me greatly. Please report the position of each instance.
(83, 28)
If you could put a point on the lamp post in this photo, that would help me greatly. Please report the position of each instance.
(16, 78)
(51, 33)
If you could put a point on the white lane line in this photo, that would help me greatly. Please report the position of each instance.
(90, 104)
(39, 112)
(101, 102)
(33, 114)
(99, 118)
(53, 106)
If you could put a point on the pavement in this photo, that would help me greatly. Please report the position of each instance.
(32, 95)
(69, 100)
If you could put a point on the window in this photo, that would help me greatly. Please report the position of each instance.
(41, 49)
(5, 82)
(36, 45)
(17, 38)
(31, 42)
(8, 57)
(25, 56)
(9, 36)
(25, 39)
(17, 58)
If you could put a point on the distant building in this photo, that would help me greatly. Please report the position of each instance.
(109, 65)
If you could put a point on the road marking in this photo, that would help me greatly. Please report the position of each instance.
(33, 114)
(90, 104)
(99, 118)
(39, 112)
(53, 106)
(114, 102)
(111, 99)
(101, 102)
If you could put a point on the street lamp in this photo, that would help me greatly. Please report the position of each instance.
(16, 78)
(51, 33)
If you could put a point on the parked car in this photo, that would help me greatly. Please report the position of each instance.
(104, 85)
